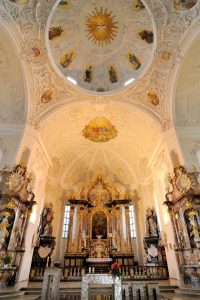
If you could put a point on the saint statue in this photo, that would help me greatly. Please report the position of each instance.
(194, 227)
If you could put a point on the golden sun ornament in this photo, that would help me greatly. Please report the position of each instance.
(101, 27)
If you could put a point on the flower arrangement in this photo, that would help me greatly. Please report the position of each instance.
(115, 269)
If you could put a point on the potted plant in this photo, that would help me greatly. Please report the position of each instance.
(7, 260)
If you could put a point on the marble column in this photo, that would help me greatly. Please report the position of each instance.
(129, 246)
(70, 229)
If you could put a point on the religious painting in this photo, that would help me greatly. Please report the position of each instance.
(166, 55)
(88, 76)
(7, 218)
(133, 61)
(138, 5)
(35, 51)
(113, 76)
(67, 59)
(64, 4)
(101, 26)
(47, 96)
(99, 129)
(147, 36)
(99, 225)
(153, 98)
(184, 4)
(55, 32)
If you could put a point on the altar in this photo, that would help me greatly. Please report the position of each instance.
(101, 279)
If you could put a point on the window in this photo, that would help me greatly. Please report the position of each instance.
(132, 221)
(66, 222)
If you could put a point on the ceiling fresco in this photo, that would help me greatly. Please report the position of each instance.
(101, 46)
(99, 129)
(129, 56)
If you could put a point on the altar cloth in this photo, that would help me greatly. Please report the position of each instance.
(98, 260)
(101, 279)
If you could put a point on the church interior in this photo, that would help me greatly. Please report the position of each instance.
(99, 149)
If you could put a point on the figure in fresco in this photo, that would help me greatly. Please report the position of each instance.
(147, 36)
(88, 74)
(99, 225)
(184, 4)
(55, 32)
(112, 75)
(137, 5)
(134, 61)
(66, 60)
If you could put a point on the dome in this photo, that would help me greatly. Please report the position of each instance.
(101, 46)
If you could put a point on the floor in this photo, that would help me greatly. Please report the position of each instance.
(74, 285)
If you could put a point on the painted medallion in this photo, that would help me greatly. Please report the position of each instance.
(99, 129)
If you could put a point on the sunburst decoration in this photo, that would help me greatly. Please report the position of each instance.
(101, 27)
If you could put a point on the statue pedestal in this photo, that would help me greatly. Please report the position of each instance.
(101, 279)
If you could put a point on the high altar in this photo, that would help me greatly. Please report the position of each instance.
(99, 227)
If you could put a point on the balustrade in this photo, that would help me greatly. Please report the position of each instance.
(127, 272)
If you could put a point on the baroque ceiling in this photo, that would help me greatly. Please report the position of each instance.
(98, 78)
(101, 46)
(40, 32)
(77, 157)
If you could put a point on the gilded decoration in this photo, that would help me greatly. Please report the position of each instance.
(101, 26)
(99, 129)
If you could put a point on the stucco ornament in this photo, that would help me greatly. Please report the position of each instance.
(183, 181)
(17, 179)
(30, 19)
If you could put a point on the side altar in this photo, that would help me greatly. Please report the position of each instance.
(99, 228)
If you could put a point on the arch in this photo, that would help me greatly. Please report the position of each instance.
(13, 35)
(186, 43)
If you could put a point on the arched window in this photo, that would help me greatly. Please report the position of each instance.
(66, 222)
(132, 221)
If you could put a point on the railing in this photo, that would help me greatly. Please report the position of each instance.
(127, 272)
